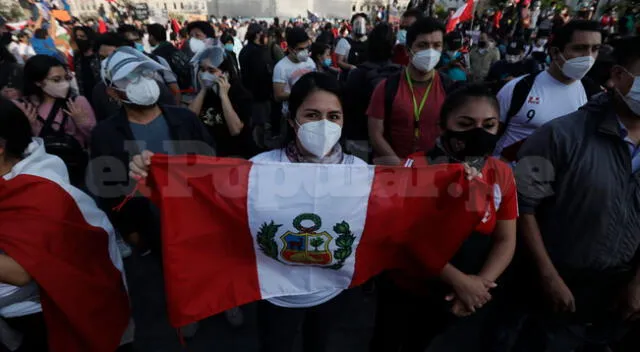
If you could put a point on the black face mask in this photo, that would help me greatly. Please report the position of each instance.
(469, 145)
(83, 45)
(482, 44)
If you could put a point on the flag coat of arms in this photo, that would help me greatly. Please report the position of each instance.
(234, 232)
(60, 237)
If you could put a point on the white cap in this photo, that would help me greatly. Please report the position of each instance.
(124, 61)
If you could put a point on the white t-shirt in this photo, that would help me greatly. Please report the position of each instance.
(21, 51)
(547, 100)
(289, 72)
(316, 298)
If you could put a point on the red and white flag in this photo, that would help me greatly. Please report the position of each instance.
(67, 245)
(235, 232)
(464, 13)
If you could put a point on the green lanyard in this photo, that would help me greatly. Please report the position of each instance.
(417, 110)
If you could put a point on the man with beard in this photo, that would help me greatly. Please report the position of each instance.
(86, 64)
(142, 124)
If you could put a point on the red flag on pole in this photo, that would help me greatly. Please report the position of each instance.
(464, 13)
(235, 232)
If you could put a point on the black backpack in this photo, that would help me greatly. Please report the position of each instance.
(179, 63)
(358, 91)
(66, 147)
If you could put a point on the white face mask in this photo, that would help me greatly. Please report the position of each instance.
(426, 60)
(57, 90)
(196, 44)
(303, 55)
(577, 67)
(633, 97)
(319, 137)
(143, 92)
(208, 79)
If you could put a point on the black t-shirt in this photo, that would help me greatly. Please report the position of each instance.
(213, 117)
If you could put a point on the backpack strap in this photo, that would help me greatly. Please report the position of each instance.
(519, 97)
(48, 122)
(390, 91)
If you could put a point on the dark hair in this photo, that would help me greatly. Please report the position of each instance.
(380, 43)
(626, 50)
(361, 14)
(36, 69)
(563, 35)
(6, 57)
(127, 28)
(453, 40)
(413, 13)
(307, 84)
(423, 26)
(158, 32)
(111, 39)
(41, 33)
(296, 36)
(225, 38)
(88, 31)
(253, 31)
(328, 26)
(23, 35)
(205, 27)
(318, 48)
(15, 129)
(461, 95)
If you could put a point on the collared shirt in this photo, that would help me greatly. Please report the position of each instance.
(634, 148)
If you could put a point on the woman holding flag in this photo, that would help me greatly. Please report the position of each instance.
(461, 304)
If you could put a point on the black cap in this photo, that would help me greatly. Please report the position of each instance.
(515, 47)
(295, 36)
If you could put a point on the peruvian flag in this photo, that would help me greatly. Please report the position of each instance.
(235, 232)
(67, 245)
(464, 13)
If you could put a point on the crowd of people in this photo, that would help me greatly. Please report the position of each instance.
(542, 104)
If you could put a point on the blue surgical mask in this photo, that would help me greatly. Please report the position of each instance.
(228, 47)
(140, 47)
(401, 37)
(327, 62)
